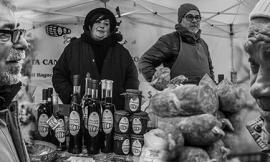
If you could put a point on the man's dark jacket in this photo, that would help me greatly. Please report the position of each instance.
(166, 50)
(78, 58)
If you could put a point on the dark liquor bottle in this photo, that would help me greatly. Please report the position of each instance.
(94, 121)
(107, 118)
(50, 108)
(86, 102)
(75, 119)
(60, 132)
(220, 77)
(43, 116)
(49, 100)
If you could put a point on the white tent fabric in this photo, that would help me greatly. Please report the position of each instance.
(216, 14)
(224, 25)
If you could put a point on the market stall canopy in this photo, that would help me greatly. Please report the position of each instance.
(224, 26)
(217, 14)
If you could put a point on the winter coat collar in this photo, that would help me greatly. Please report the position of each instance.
(7, 93)
(186, 35)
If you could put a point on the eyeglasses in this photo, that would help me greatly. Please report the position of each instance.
(13, 35)
(190, 17)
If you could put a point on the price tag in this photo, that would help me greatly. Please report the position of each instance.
(53, 123)
(257, 130)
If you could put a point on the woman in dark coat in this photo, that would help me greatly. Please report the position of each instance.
(97, 52)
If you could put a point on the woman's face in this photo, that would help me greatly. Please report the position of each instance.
(100, 29)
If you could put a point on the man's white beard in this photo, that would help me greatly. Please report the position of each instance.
(9, 79)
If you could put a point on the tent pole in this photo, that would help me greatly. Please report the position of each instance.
(231, 43)
(233, 71)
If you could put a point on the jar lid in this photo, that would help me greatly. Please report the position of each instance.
(121, 112)
(120, 136)
(137, 136)
(135, 91)
(142, 115)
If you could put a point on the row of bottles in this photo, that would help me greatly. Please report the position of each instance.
(45, 112)
(91, 119)
(90, 126)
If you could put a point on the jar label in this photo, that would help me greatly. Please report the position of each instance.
(123, 124)
(74, 123)
(85, 115)
(43, 127)
(125, 146)
(136, 147)
(136, 125)
(134, 103)
(107, 121)
(60, 131)
(93, 124)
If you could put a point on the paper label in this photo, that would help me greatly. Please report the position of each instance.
(136, 147)
(93, 124)
(257, 130)
(125, 146)
(136, 125)
(107, 121)
(43, 127)
(74, 123)
(123, 124)
(53, 123)
(134, 103)
(60, 131)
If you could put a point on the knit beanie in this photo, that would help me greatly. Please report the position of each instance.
(184, 8)
(95, 14)
(262, 9)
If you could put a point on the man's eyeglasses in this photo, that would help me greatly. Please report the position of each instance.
(13, 35)
(191, 17)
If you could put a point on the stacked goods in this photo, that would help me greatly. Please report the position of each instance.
(130, 125)
(204, 116)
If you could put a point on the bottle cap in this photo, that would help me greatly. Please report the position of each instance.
(76, 80)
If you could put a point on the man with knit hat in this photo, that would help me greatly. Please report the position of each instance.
(183, 51)
(98, 52)
(258, 49)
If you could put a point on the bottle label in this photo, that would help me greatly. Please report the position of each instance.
(136, 125)
(85, 116)
(136, 147)
(125, 146)
(43, 127)
(74, 123)
(123, 124)
(107, 121)
(134, 103)
(93, 124)
(60, 131)
(53, 123)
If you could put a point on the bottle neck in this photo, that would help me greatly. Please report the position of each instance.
(76, 89)
(94, 94)
(108, 96)
(88, 91)
(103, 95)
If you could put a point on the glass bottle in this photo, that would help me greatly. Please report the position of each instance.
(43, 116)
(86, 102)
(60, 132)
(75, 119)
(94, 121)
(107, 118)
